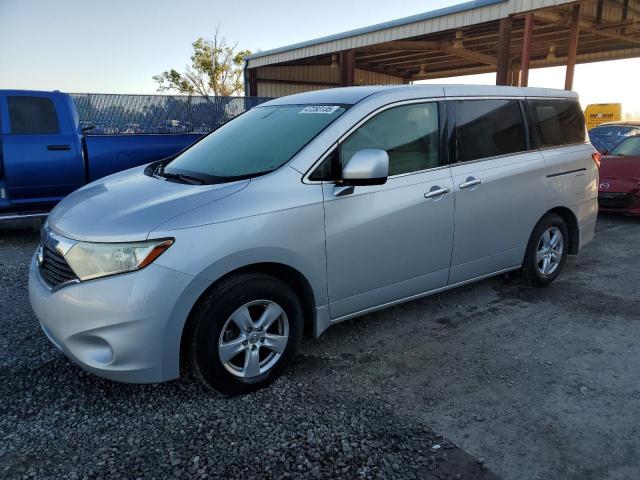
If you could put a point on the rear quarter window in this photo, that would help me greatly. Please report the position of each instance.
(558, 122)
(32, 115)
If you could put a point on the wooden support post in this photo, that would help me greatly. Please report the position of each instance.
(504, 38)
(526, 50)
(253, 82)
(347, 70)
(573, 47)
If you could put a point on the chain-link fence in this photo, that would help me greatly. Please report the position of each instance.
(111, 114)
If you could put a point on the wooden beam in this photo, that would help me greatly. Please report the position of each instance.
(504, 37)
(399, 58)
(542, 63)
(378, 69)
(347, 73)
(470, 55)
(615, 25)
(526, 50)
(402, 45)
(429, 46)
(454, 72)
(573, 47)
(372, 56)
(296, 82)
(629, 8)
(558, 18)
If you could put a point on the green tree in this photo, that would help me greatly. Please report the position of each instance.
(216, 69)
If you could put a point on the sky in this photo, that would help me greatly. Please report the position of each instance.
(116, 46)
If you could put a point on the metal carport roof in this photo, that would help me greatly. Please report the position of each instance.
(473, 37)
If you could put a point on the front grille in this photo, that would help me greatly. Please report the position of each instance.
(616, 201)
(55, 269)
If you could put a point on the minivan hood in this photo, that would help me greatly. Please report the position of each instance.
(128, 205)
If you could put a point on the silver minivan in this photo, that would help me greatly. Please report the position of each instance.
(306, 211)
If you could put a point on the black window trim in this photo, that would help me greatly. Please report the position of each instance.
(442, 121)
(45, 97)
(533, 141)
(456, 151)
(448, 144)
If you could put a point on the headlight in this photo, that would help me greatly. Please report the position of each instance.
(93, 260)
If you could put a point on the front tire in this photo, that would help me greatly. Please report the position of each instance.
(546, 252)
(244, 333)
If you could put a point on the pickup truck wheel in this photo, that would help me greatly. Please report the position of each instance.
(245, 333)
(546, 252)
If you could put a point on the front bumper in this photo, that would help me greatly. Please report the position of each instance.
(125, 327)
(627, 203)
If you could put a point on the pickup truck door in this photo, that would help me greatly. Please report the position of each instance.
(41, 149)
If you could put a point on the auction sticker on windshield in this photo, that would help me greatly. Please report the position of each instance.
(320, 109)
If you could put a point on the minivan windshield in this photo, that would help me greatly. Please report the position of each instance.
(257, 142)
(628, 148)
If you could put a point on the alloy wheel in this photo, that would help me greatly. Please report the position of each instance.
(549, 251)
(253, 338)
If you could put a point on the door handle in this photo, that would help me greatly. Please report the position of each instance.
(58, 147)
(470, 182)
(436, 192)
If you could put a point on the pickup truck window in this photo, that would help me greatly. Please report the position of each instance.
(32, 115)
(257, 142)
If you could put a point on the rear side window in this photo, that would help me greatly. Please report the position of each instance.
(32, 115)
(558, 122)
(408, 133)
(488, 128)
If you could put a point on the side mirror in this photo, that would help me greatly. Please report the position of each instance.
(366, 167)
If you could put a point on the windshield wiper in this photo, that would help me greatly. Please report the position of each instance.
(181, 177)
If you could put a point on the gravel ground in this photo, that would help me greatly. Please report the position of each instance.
(489, 380)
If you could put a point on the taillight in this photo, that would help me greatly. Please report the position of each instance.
(597, 158)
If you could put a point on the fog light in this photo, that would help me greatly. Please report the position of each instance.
(90, 349)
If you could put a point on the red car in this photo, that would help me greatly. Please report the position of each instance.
(620, 178)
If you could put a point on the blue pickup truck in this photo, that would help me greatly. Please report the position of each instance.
(45, 154)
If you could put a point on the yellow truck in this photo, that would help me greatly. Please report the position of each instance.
(597, 113)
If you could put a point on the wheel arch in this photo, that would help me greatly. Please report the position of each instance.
(572, 225)
(286, 273)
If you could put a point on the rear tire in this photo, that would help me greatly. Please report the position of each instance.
(546, 252)
(244, 333)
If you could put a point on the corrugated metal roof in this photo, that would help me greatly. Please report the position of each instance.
(441, 12)
(451, 18)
